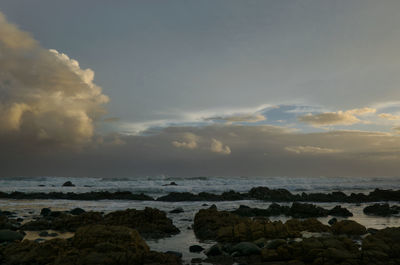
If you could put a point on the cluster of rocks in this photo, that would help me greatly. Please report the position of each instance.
(260, 241)
(94, 244)
(297, 210)
(257, 193)
(150, 222)
(382, 209)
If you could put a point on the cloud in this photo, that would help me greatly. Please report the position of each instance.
(311, 150)
(259, 150)
(396, 129)
(45, 97)
(250, 118)
(189, 142)
(219, 147)
(389, 116)
(348, 117)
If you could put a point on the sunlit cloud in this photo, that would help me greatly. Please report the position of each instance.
(348, 117)
(219, 147)
(311, 150)
(189, 141)
(46, 96)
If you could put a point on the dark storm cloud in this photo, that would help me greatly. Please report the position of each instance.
(188, 151)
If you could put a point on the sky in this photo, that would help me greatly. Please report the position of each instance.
(197, 88)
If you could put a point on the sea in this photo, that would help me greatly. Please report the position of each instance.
(157, 186)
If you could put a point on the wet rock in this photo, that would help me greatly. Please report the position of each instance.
(340, 211)
(196, 248)
(44, 234)
(306, 210)
(45, 212)
(246, 249)
(382, 247)
(264, 193)
(6, 223)
(150, 222)
(348, 227)
(207, 222)
(9, 236)
(177, 210)
(95, 244)
(273, 244)
(214, 250)
(68, 184)
(244, 210)
(332, 221)
(310, 225)
(172, 183)
(381, 209)
(77, 211)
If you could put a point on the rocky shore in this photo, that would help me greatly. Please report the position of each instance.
(271, 233)
(257, 193)
(259, 241)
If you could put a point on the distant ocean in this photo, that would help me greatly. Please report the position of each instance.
(153, 186)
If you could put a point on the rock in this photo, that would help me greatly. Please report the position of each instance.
(214, 250)
(381, 209)
(273, 244)
(172, 183)
(77, 211)
(332, 221)
(306, 210)
(372, 231)
(207, 222)
(44, 234)
(68, 184)
(45, 212)
(273, 210)
(348, 227)
(9, 236)
(264, 193)
(95, 244)
(177, 210)
(6, 223)
(246, 249)
(196, 248)
(150, 222)
(310, 225)
(382, 247)
(339, 211)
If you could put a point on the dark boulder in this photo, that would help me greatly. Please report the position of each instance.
(77, 211)
(177, 210)
(10, 236)
(340, 211)
(196, 248)
(68, 184)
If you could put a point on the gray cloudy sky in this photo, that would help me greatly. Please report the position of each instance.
(200, 87)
